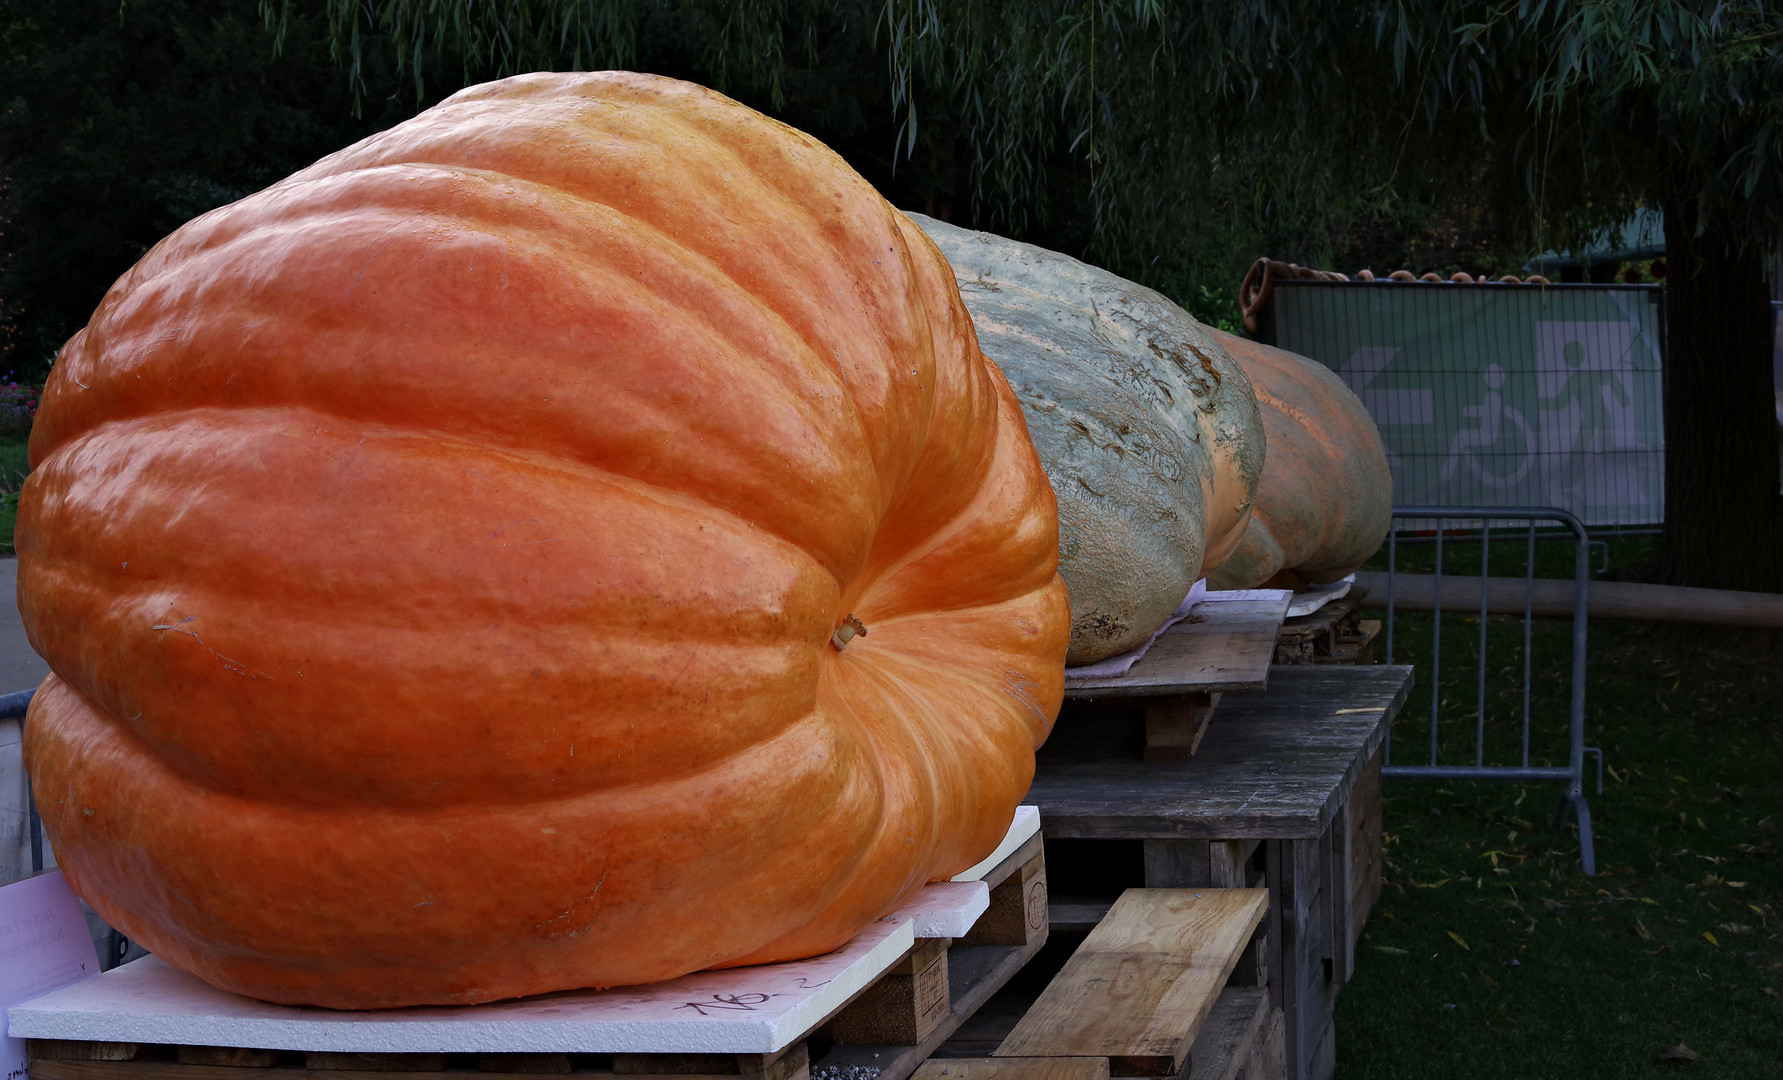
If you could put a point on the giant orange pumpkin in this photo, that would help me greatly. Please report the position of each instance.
(1325, 499)
(438, 555)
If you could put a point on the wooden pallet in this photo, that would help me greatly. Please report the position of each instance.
(1160, 987)
(1225, 646)
(51, 1059)
(1334, 634)
(976, 966)
(894, 1021)
(1140, 988)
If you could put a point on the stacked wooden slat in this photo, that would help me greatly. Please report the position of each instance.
(1283, 793)
(1158, 989)
(1335, 634)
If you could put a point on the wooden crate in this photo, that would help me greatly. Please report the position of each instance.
(1284, 792)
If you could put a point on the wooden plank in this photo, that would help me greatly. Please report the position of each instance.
(535, 1064)
(1366, 825)
(1276, 766)
(1310, 988)
(1017, 859)
(1017, 913)
(81, 1050)
(1274, 864)
(1076, 917)
(1253, 962)
(50, 1069)
(329, 1061)
(975, 974)
(1228, 1040)
(1013, 1069)
(1321, 1064)
(1177, 864)
(1138, 989)
(1269, 1060)
(246, 1058)
(1355, 646)
(1323, 623)
(904, 1005)
(1341, 894)
(1174, 726)
(1224, 645)
(1228, 863)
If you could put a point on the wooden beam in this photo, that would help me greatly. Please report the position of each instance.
(1012, 1069)
(1553, 598)
(1174, 725)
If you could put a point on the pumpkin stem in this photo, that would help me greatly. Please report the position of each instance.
(845, 633)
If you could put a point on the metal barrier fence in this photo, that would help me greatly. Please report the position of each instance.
(1498, 395)
(12, 707)
(1515, 524)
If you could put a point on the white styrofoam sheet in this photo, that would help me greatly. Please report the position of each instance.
(1316, 597)
(1025, 825)
(742, 1011)
(946, 908)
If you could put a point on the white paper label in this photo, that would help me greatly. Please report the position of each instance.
(44, 946)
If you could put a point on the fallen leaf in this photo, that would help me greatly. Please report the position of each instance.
(1679, 1052)
(1710, 938)
(1768, 992)
(1391, 951)
(1456, 938)
(1640, 928)
(1649, 900)
(1432, 885)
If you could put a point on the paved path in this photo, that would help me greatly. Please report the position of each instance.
(20, 668)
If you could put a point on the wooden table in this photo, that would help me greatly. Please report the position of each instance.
(1284, 791)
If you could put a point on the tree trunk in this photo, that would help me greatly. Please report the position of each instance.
(1723, 514)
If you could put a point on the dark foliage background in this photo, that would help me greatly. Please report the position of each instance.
(1078, 127)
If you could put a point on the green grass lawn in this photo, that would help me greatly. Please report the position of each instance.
(1490, 954)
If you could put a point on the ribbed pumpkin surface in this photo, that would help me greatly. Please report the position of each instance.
(1148, 430)
(1326, 497)
(438, 554)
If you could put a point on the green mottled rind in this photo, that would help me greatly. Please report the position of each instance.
(1148, 430)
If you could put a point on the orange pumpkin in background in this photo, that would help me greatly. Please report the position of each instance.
(1325, 499)
(438, 555)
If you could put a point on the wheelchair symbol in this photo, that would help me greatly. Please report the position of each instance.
(1493, 416)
